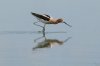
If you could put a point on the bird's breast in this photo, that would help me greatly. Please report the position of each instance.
(53, 20)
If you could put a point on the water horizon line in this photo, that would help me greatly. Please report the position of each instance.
(29, 32)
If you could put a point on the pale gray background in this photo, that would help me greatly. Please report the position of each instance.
(16, 44)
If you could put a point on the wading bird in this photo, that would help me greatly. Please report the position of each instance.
(46, 19)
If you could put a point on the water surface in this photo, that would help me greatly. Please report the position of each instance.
(61, 45)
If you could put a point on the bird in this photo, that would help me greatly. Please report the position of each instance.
(47, 19)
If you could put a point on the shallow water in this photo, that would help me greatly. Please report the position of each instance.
(23, 44)
(17, 49)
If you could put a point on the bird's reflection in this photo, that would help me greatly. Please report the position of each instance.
(48, 43)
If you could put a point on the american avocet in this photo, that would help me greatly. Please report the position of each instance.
(46, 19)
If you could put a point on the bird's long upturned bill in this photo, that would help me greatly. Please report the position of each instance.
(67, 24)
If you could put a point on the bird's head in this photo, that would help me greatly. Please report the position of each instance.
(59, 20)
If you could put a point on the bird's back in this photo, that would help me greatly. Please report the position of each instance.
(40, 16)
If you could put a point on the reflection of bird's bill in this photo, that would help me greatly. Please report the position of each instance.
(67, 39)
(67, 24)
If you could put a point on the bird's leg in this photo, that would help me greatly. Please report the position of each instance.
(38, 38)
(37, 24)
(44, 29)
(40, 26)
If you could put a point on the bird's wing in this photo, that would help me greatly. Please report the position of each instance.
(40, 16)
(46, 15)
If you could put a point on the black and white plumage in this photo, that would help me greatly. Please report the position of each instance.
(46, 19)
